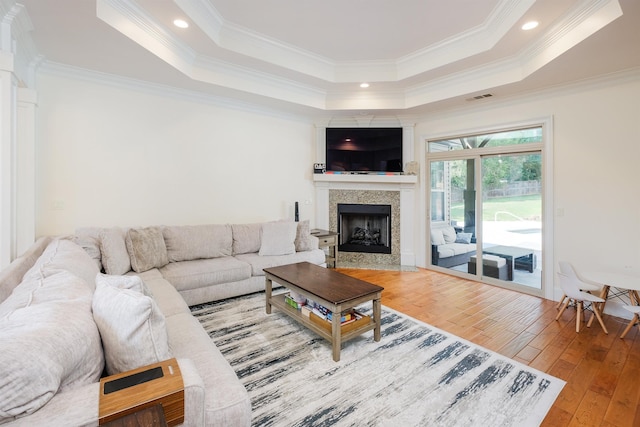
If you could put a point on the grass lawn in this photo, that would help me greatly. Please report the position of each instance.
(525, 207)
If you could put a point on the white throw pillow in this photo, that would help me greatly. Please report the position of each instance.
(449, 234)
(278, 238)
(134, 283)
(132, 328)
(437, 238)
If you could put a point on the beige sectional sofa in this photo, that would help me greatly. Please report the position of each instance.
(75, 308)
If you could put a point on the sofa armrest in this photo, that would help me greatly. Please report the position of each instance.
(194, 392)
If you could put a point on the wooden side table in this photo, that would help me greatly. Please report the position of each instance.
(128, 394)
(328, 239)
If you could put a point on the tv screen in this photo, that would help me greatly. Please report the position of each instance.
(364, 150)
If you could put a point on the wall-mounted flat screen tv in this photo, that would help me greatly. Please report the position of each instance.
(364, 150)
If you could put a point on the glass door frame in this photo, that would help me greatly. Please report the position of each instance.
(545, 150)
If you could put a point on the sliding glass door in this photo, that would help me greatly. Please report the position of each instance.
(485, 206)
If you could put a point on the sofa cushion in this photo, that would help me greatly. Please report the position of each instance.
(164, 293)
(64, 255)
(49, 342)
(257, 262)
(246, 238)
(278, 238)
(115, 258)
(146, 248)
(12, 275)
(437, 238)
(303, 240)
(132, 328)
(205, 272)
(452, 249)
(88, 238)
(190, 242)
(449, 234)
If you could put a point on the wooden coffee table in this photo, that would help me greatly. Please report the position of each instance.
(336, 291)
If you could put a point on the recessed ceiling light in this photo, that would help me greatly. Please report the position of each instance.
(530, 25)
(364, 85)
(181, 23)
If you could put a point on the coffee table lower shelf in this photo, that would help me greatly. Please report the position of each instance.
(345, 334)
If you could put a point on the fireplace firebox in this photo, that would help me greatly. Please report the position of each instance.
(364, 228)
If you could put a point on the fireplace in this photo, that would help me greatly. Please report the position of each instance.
(364, 228)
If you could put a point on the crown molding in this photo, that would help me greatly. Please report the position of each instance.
(163, 91)
(472, 42)
(241, 40)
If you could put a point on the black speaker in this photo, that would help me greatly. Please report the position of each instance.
(297, 213)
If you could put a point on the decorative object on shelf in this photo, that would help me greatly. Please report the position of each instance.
(297, 213)
(319, 168)
(412, 168)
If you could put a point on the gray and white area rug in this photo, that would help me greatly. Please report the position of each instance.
(416, 375)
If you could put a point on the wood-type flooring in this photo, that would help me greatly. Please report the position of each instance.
(602, 371)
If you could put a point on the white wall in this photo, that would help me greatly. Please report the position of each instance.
(109, 155)
(596, 137)
(117, 156)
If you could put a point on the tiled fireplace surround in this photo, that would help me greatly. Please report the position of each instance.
(395, 190)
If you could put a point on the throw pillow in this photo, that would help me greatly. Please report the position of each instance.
(115, 258)
(134, 283)
(464, 238)
(132, 328)
(146, 249)
(278, 238)
(449, 234)
(303, 237)
(437, 237)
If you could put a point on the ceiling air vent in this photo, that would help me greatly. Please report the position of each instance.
(477, 97)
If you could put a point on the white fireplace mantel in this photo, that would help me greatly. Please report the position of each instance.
(405, 184)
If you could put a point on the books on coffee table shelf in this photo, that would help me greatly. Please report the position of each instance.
(322, 316)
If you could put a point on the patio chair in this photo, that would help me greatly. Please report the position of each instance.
(589, 286)
(635, 309)
(571, 287)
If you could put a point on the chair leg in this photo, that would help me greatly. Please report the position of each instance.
(564, 307)
(578, 315)
(560, 302)
(596, 311)
(630, 325)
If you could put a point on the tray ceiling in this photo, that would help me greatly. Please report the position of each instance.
(310, 57)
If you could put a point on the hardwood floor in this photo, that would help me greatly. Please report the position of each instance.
(602, 371)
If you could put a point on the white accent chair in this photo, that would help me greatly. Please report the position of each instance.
(635, 309)
(571, 286)
(589, 286)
